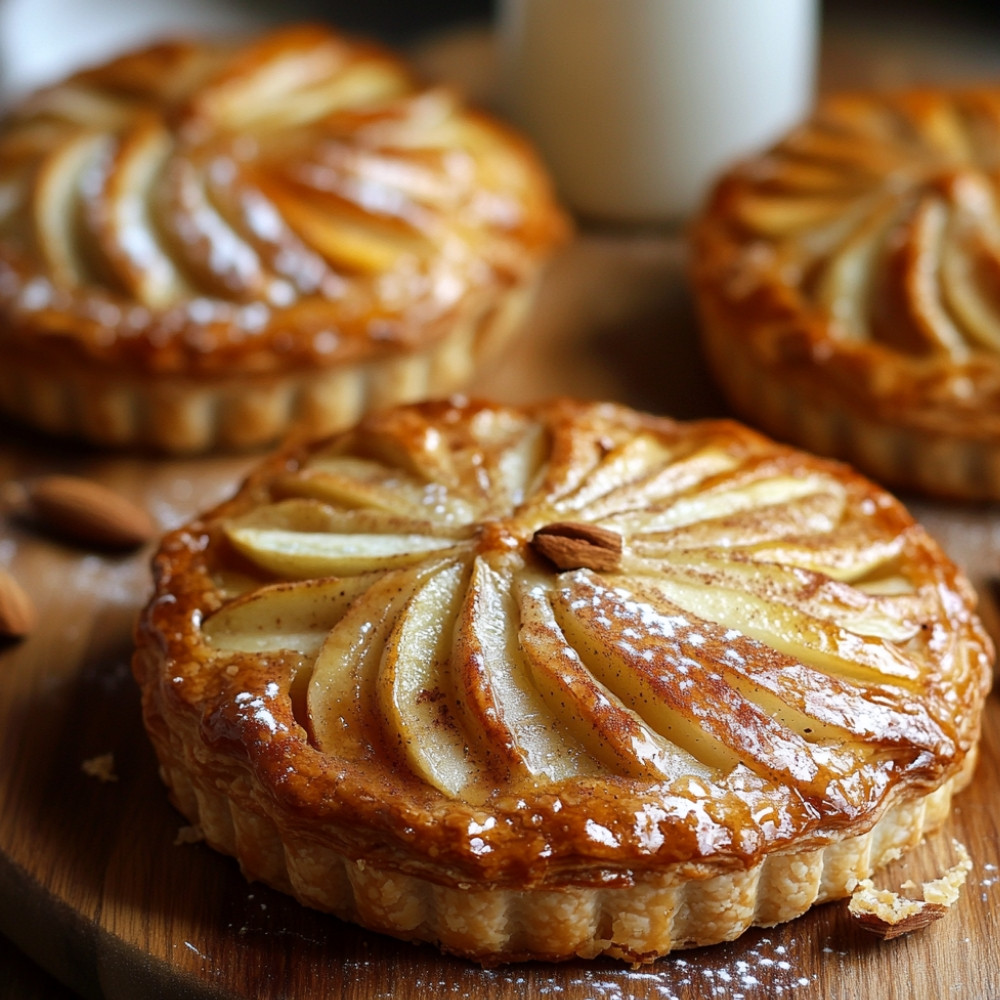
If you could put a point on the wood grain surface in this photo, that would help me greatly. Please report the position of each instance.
(96, 888)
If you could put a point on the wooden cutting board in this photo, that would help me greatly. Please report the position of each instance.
(95, 887)
(93, 883)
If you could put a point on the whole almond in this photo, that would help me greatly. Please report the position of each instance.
(17, 613)
(575, 545)
(87, 512)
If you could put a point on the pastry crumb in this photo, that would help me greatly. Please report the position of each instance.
(192, 834)
(101, 767)
(889, 914)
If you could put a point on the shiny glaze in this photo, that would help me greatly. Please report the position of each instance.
(781, 653)
(290, 201)
(860, 255)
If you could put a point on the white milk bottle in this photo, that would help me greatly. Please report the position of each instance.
(636, 104)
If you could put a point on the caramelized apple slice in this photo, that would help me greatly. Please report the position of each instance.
(824, 644)
(780, 216)
(776, 524)
(970, 261)
(216, 257)
(341, 698)
(302, 554)
(505, 712)
(120, 216)
(622, 472)
(610, 731)
(415, 692)
(235, 193)
(360, 482)
(300, 69)
(732, 497)
(280, 616)
(56, 206)
(914, 288)
(350, 241)
(844, 287)
(664, 664)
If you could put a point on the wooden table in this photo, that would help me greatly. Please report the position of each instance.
(94, 887)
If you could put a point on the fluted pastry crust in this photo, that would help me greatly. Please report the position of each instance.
(389, 679)
(847, 284)
(204, 242)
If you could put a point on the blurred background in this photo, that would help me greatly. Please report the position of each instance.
(42, 39)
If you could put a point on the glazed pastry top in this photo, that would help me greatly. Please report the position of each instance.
(568, 638)
(294, 199)
(866, 243)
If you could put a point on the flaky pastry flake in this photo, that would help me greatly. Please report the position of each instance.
(890, 914)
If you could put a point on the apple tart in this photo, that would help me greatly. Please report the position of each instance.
(203, 244)
(847, 284)
(562, 680)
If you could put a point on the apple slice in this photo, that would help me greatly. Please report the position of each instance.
(773, 524)
(630, 507)
(669, 667)
(120, 216)
(611, 732)
(305, 513)
(282, 616)
(393, 177)
(845, 280)
(55, 205)
(732, 499)
(489, 471)
(813, 592)
(348, 239)
(219, 260)
(824, 644)
(520, 463)
(629, 462)
(294, 75)
(914, 263)
(235, 194)
(506, 714)
(817, 706)
(302, 554)
(348, 481)
(970, 261)
(778, 215)
(340, 697)
(415, 691)
(848, 555)
(895, 618)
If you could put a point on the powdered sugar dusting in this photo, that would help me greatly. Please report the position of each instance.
(765, 969)
(989, 881)
(178, 497)
(119, 583)
(762, 970)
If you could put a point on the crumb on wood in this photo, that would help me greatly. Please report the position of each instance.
(890, 914)
(101, 767)
(189, 835)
